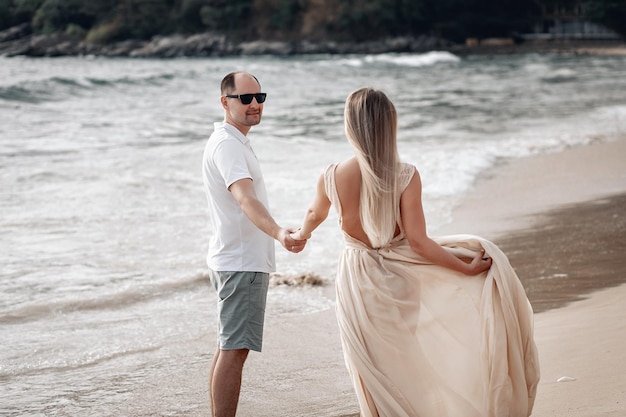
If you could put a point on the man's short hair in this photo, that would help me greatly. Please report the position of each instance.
(228, 83)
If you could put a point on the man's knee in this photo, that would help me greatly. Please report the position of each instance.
(234, 355)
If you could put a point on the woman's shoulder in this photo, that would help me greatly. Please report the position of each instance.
(349, 163)
(346, 168)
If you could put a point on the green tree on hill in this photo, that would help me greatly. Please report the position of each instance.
(610, 13)
(109, 20)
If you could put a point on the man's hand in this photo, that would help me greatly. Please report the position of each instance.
(288, 242)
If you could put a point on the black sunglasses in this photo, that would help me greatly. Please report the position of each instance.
(247, 98)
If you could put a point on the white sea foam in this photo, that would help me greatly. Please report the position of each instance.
(414, 60)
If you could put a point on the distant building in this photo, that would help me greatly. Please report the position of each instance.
(568, 22)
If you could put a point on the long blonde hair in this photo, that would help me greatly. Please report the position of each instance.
(371, 124)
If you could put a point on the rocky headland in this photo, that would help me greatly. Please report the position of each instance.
(22, 41)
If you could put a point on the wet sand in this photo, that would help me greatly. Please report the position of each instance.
(571, 252)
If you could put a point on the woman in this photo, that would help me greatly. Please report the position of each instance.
(428, 328)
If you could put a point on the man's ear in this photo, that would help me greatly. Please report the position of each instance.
(224, 102)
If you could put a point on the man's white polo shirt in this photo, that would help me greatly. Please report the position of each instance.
(235, 244)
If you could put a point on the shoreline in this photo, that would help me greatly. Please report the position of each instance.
(513, 196)
(559, 217)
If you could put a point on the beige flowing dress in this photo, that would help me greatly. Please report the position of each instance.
(420, 340)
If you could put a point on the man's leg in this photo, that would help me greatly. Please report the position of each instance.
(225, 381)
(211, 373)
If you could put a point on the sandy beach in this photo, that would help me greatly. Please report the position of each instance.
(561, 220)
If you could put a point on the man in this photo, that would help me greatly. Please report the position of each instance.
(241, 248)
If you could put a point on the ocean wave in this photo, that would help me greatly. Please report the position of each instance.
(399, 59)
(561, 75)
(24, 94)
(27, 369)
(139, 294)
(59, 88)
(414, 60)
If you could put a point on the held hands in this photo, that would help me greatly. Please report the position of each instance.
(291, 241)
(297, 234)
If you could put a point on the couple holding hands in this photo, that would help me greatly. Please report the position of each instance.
(428, 326)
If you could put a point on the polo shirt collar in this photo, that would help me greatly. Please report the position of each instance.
(233, 131)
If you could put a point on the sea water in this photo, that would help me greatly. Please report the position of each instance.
(103, 225)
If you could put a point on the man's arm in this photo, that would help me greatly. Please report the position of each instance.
(243, 191)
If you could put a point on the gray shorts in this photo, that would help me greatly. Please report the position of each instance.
(240, 308)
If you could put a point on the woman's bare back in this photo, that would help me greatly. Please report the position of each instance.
(348, 184)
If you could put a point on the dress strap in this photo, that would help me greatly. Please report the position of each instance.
(331, 189)
(406, 174)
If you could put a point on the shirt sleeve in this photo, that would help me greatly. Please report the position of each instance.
(230, 160)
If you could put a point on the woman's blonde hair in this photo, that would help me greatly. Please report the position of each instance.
(371, 124)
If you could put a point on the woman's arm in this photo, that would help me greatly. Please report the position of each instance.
(316, 214)
(414, 224)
